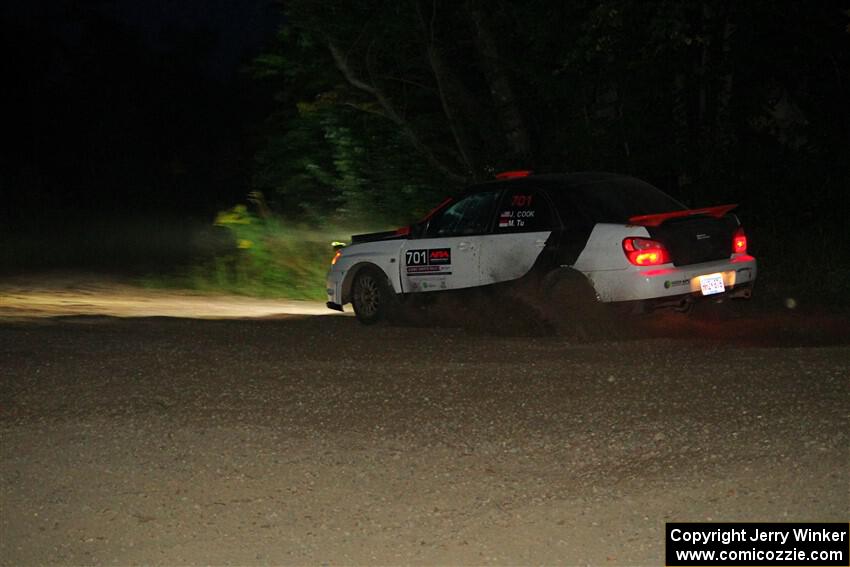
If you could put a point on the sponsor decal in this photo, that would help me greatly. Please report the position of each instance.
(422, 270)
(428, 261)
(435, 283)
(440, 256)
(676, 283)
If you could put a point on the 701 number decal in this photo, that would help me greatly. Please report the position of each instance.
(416, 257)
(428, 257)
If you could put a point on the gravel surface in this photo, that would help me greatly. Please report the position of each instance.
(306, 440)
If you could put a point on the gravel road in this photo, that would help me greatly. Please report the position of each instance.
(306, 440)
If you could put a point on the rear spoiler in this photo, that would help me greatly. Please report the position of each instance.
(658, 218)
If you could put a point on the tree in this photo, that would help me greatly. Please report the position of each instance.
(714, 100)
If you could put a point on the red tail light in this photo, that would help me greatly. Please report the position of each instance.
(645, 252)
(739, 242)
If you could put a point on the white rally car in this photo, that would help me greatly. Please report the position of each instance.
(620, 238)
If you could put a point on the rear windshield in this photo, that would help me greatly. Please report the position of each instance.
(614, 200)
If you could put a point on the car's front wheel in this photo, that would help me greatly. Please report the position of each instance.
(371, 296)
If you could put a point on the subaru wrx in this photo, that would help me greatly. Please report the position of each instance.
(621, 239)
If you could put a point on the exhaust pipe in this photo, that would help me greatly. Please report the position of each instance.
(685, 305)
(743, 293)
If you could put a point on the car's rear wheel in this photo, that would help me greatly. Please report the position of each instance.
(371, 295)
(572, 308)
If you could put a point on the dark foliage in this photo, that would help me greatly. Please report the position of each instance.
(382, 105)
(370, 111)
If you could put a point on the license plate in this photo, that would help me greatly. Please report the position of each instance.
(711, 284)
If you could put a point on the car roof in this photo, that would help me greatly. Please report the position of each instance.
(556, 180)
(604, 197)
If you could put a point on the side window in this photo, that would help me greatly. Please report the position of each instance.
(470, 215)
(524, 210)
(572, 215)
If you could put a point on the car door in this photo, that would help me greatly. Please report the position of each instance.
(447, 256)
(523, 225)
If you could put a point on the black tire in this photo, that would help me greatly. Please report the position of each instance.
(572, 307)
(372, 296)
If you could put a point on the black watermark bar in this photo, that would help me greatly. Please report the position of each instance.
(743, 544)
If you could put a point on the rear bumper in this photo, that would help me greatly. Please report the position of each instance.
(740, 291)
(660, 282)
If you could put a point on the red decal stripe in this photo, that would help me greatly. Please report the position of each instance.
(513, 174)
(433, 211)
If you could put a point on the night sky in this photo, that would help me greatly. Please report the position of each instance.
(239, 28)
(126, 107)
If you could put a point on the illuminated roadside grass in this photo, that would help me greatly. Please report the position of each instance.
(267, 257)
